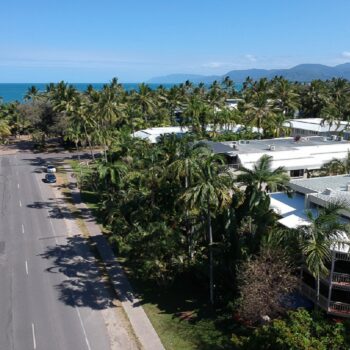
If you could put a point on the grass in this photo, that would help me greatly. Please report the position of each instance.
(182, 317)
(180, 314)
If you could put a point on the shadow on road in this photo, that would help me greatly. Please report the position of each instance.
(84, 285)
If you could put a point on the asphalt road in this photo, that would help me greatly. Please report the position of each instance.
(48, 299)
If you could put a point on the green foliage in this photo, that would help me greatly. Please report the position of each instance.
(298, 331)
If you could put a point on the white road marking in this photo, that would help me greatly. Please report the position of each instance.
(22, 228)
(18, 186)
(20, 203)
(53, 230)
(33, 333)
(27, 267)
(82, 326)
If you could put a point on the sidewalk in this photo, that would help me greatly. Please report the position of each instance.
(132, 306)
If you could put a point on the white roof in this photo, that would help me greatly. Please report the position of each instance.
(153, 134)
(312, 157)
(294, 220)
(315, 124)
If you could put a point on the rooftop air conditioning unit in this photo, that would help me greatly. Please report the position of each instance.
(325, 139)
(327, 191)
(348, 187)
(334, 137)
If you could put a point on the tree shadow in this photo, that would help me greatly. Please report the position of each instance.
(186, 303)
(84, 284)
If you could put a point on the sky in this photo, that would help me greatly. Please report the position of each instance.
(135, 40)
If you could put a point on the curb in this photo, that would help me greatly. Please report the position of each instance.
(132, 306)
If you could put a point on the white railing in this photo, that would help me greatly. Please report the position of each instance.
(310, 293)
(341, 278)
(337, 306)
(342, 256)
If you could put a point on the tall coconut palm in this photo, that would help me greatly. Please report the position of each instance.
(337, 166)
(209, 193)
(286, 97)
(144, 98)
(317, 239)
(31, 94)
(258, 181)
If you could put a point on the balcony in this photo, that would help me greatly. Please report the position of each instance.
(342, 256)
(334, 307)
(310, 293)
(341, 280)
(338, 308)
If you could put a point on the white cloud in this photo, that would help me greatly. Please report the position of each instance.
(250, 57)
(214, 65)
(346, 54)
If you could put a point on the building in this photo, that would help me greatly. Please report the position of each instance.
(315, 127)
(232, 103)
(311, 194)
(297, 155)
(153, 134)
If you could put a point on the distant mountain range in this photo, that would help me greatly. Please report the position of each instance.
(301, 72)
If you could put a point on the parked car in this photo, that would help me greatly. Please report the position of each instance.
(50, 169)
(50, 178)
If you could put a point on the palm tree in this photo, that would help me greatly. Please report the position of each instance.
(258, 182)
(285, 96)
(209, 193)
(317, 239)
(144, 98)
(31, 94)
(196, 114)
(337, 166)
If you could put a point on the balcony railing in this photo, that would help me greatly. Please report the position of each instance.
(338, 307)
(310, 293)
(335, 307)
(341, 279)
(342, 256)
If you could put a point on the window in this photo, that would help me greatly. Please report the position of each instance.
(297, 173)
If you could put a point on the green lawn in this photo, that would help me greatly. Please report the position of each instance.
(180, 314)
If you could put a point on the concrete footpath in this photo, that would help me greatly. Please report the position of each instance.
(132, 306)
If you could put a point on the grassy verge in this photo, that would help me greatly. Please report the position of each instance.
(180, 314)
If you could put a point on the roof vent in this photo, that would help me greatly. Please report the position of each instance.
(234, 146)
(327, 191)
(272, 147)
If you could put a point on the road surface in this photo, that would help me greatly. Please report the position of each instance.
(50, 296)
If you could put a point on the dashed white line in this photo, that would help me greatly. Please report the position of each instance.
(22, 228)
(18, 186)
(33, 333)
(53, 230)
(27, 267)
(82, 326)
(20, 203)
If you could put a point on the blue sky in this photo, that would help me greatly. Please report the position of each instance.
(92, 41)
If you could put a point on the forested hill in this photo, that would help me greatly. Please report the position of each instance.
(302, 73)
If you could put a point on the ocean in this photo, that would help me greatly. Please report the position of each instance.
(16, 92)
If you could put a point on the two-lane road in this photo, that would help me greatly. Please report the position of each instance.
(43, 302)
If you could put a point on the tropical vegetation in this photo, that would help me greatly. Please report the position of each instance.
(178, 216)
